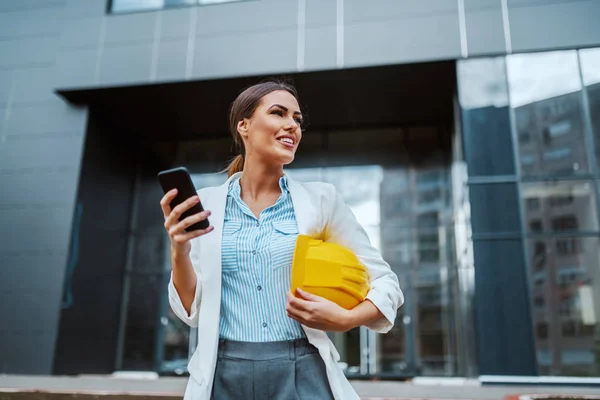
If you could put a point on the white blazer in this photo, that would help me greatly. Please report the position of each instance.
(320, 211)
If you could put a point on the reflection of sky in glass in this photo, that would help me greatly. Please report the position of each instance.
(136, 5)
(539, 76)
(133, 5)
(590, 65)
(482, 83)
(206, 180)
(358, 186)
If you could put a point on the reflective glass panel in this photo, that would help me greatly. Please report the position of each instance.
(123, 6)
(590, 69)
(560, 206)
(565, 295)
(545, 93)
(483, 96)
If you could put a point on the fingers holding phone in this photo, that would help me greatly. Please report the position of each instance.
(185, 218)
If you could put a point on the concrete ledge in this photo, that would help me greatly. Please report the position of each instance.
(19, 387)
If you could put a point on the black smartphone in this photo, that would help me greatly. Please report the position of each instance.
(179, 178)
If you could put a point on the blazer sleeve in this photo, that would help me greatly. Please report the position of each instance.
(190, 319)
(343, 228)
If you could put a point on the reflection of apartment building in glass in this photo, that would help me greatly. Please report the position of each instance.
(550, 134)
(418, 205)
(563, 273)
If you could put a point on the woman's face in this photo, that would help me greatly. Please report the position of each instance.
(273, 132)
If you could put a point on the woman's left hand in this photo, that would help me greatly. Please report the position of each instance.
(317, 312)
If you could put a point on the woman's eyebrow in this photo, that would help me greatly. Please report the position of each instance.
(284, 108)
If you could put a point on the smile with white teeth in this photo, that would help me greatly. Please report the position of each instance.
(286, 140)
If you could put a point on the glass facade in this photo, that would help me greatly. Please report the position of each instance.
(126, 6)
(541, 112)
(498, 254)
(415, 213)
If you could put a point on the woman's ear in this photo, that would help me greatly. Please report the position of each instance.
(242, 127)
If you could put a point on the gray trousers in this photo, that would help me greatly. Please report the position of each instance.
(289, 370)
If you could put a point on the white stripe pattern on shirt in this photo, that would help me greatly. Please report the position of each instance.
(256, 269)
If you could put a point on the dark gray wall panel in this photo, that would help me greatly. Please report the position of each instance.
(536, 25)
(34, 85)
(32, 22)
(88, 327)
(320, 47)
(169, 63)
(5, 85)
(251, 16)
(319, 13)
(359, 10)
(26, 355)
(76, 68)
(29, 265)
(404, 40)
(11, 6)
(503, 319)
(176, 23)
(484, 27)
(130, 28)
(23, 52)
(126, 64)
(320, 38)
(81, 33)
(247, 54)
(42, 119)
(40, 153)
(494, 208)
(35, 228)
(38, 188)
(85, 8)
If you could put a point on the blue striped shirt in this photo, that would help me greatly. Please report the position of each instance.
(256, 269)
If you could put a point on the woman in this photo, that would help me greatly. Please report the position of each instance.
(255, 339)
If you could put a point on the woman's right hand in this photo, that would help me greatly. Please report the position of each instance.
(180, 239)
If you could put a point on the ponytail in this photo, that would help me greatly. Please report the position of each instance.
(236, 165)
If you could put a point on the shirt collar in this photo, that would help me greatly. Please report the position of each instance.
(235, 189)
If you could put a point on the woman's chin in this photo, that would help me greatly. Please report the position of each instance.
(285, 157)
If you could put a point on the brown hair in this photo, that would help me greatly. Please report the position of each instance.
(243, 107)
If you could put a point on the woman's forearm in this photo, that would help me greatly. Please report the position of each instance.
(184, 279)
(363, 314)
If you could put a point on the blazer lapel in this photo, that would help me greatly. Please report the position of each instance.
(216, 203)
(306, 214)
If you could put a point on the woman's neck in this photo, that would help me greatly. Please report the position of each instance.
(258, 180)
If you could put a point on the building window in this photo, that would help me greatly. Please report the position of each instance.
(127, 6)
(565, 223)
(559, 129)
(557, 154)
(561, 200)
(568, 329)
(533, 204)
(524, 137)
(568, 246)
(539, 302)
(535, 226)
(541, 330)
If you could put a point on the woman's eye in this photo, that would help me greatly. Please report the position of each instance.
(277, 112)
(298, 120)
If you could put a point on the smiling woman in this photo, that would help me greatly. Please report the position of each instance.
(257, 339)
(271, 111)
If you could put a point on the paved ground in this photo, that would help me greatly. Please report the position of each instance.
(105, 387)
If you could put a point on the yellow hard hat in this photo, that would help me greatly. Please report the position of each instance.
(329, 270)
